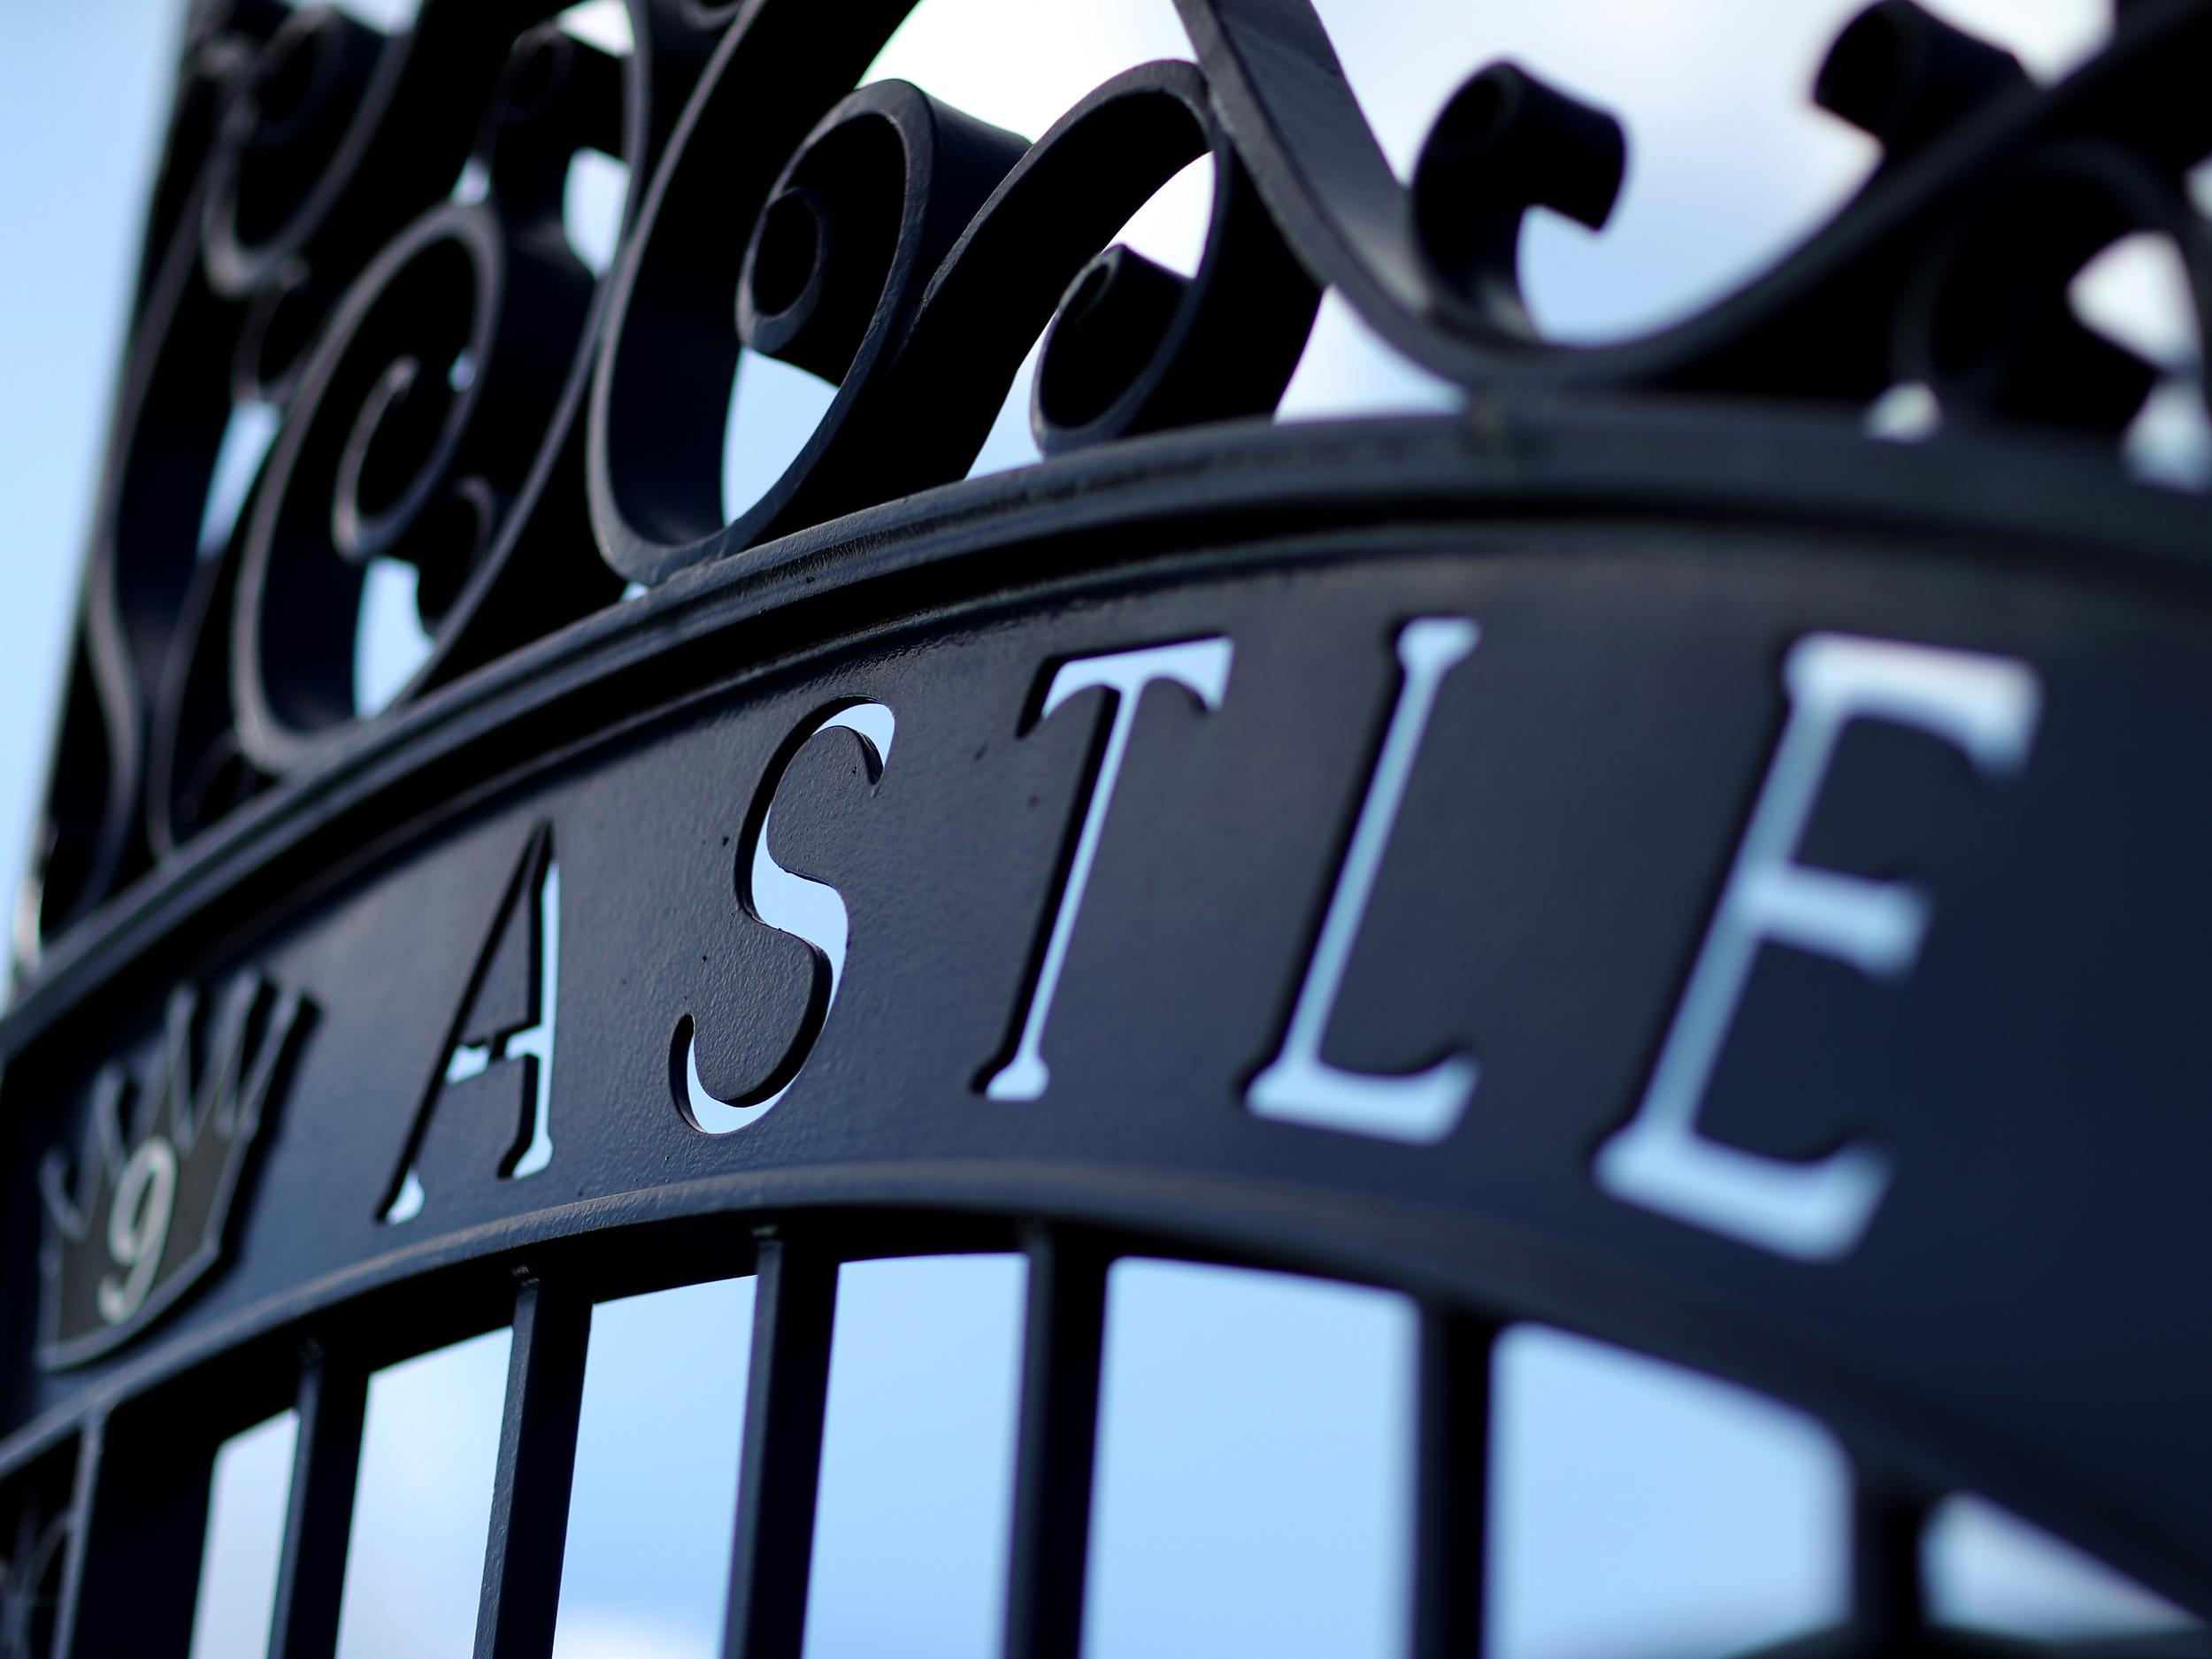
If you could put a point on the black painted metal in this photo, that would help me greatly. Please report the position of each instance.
(537, 1463)
(1454, 1459)
(1062, 1347)
(1640, 538)
(319, 1514)
(782, 1455)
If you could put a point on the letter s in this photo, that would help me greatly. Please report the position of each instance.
(809, 910)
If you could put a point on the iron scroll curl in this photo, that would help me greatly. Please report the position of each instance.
(275, 197)
(921, 254)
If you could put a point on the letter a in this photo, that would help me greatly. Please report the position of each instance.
(488, 1113)
(1299, 1086)
(1985, 706)
(1202, 668)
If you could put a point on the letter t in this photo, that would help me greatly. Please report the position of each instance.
(1202, 668)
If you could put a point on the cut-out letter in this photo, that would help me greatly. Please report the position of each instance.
(1298, 1085)
(811, 911)
(1202, 668)
(1985, 706)
(489, 1111)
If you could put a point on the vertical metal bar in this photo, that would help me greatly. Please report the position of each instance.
(1887, 1602)
(73, 1575)
(1062, 1346)
(795, 1305)
(1451, 1485)
(133, 1565)
(537, 1467)
(319, 1521)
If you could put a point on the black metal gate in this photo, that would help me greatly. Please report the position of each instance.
(1637, 854)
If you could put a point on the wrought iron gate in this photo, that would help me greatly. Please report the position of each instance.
(1636, 853)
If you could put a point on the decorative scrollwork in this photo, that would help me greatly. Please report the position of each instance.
(363, 232)
(167, 431)
(842, 237)
(414, 430)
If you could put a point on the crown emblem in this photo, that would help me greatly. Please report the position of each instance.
(163, 1152)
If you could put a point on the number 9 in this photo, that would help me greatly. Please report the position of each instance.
(138, 1227)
